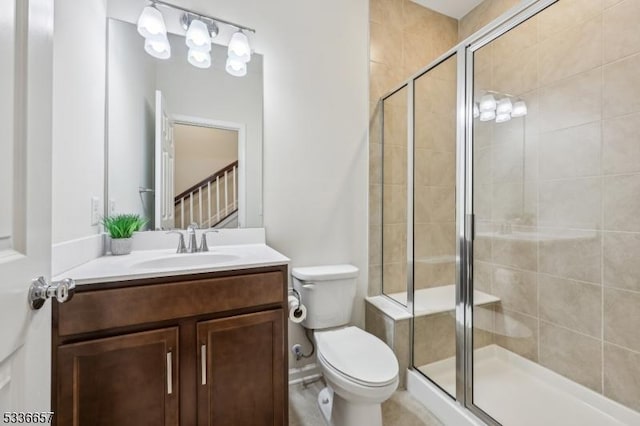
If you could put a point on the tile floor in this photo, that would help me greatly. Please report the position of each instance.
(401, 410)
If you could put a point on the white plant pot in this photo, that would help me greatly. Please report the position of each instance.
(120, 246)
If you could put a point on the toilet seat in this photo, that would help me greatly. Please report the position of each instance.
(357, 356)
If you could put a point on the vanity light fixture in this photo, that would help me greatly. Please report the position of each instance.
(158, 46)
(200, 30)
(151, 22)
(236, 68)
(487, 115)
(504, 109)
(504, 106)
(239, 49)
(503, 117)
(198, 37)
(199, 59)
(487, 103)
(519, 109)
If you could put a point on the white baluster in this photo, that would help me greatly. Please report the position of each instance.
(182, 213)
(208, 204)
(200, 207)
(191, 208)
(235, 195)
(226, 194)
(217, 199)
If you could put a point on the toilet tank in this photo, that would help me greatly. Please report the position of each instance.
(328, 293)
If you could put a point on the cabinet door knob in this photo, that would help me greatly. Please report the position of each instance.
(203, 363)
(41, 290)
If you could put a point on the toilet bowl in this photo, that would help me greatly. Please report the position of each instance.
(361, 371)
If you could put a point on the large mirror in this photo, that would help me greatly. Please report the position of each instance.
(184, 143)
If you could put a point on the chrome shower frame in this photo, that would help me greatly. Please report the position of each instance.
(465, 221)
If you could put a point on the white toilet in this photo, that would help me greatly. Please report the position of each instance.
(361, 371)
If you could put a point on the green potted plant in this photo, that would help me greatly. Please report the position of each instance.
(121, 228)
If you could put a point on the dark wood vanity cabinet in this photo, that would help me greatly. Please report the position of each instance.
(120, 380)
(206, 349)
(241, 370)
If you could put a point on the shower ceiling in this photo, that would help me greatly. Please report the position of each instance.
(454, 8)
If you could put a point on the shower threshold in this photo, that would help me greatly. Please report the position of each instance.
(517, 391)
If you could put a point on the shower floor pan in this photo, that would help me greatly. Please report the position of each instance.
(518, 392)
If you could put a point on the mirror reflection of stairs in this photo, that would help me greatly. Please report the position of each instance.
(212, 202)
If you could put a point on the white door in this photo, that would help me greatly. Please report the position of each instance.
(25, 203)
(164, 167)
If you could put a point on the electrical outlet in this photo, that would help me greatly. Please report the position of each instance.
(95, 210)
(112, 206)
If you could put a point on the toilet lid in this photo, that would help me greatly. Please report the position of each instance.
(358, 355)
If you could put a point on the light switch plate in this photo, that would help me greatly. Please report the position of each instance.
(112, 206)
(95, 211)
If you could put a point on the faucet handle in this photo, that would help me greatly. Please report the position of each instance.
(203, 243)
(181, 246)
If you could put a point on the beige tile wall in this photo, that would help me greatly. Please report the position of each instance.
(571, 298)
(570, 174)
(434, 180)
(484, 13)
(404, 37)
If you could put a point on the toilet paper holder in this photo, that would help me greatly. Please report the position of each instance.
(296, 294)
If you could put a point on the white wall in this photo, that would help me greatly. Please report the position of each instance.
(200, 152)
(131, 121)
(315, 128)
(78, 115)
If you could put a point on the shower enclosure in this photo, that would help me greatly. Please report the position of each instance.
(511, 215)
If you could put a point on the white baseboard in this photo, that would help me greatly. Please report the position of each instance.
(308, 373)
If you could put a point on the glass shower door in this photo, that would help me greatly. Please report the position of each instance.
(394, 195)
(434, 224)
(556, 178)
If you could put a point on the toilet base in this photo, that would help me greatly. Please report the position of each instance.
(337, 411)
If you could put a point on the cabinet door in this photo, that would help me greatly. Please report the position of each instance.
(241, 370)
(124, 380)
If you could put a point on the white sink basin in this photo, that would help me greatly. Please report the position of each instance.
(186, 260)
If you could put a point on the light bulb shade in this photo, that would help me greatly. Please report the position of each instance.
(487, 103)
(199, 59)
(198, 37)
(504, 106)
(501, 118)
(236, 68)
(151, 23)
(239, 49)
(158, 46)
(487, 115)
(519, 109)
(476, 110)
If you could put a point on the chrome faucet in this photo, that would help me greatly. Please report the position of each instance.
(203, 243)
(181, 247)
(192, 246)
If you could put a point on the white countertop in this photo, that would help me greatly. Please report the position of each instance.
(131, 267)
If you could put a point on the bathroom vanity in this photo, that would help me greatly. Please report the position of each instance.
(172, 348)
